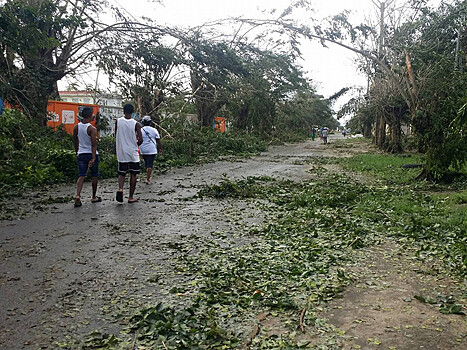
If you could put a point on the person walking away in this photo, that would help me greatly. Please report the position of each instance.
(325, 135)
(313, 134)
(151, 145)
(85, 142)
(127, 139)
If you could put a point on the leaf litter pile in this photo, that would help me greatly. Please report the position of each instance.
(263, 287)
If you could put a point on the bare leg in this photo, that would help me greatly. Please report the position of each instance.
(94, 187)
(132, 186)
(148, 174)
(121, 182)
(79, 186)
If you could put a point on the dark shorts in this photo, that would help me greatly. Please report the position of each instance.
(132, 168)
(148, 160)
(83, 164)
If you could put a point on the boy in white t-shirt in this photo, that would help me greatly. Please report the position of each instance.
(127, 138)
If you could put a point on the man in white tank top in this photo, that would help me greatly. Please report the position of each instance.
(85, 141)
(127, 138)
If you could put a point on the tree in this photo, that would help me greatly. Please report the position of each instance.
(419, 62)
(41, 41)
(306, 110)
(436, 88)
(246, 72)
(38, 41)
(273, 80)
(142, 68)
(214, 66)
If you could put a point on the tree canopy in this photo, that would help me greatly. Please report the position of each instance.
(247, 69)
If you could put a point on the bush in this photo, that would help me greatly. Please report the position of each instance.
(203, 145)
(32, 155)
(35, 156)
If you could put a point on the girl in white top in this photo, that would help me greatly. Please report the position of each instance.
(150, 146)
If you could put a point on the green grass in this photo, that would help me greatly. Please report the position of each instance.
(385, 166)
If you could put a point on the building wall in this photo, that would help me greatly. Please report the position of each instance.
(110, 105)
(111, 113)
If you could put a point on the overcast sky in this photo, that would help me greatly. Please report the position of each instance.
(329, 68)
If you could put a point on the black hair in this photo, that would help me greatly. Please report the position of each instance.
(128, 108)
(86, 112)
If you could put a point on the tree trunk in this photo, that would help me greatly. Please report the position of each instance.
(395, 145)
(242, 118)
(206, 100)
(381, 131)
(367, 129)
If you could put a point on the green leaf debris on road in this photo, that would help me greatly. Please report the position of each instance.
(268, 285)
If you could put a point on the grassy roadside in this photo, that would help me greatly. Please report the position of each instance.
(297, 260)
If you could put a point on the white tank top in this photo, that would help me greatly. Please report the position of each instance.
(126, 143)
(84, 139)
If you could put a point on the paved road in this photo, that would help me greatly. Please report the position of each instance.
(67, 271)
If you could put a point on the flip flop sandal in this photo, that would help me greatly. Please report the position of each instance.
(134, 200)
(119, 196)
(97, 200)
(78, 203)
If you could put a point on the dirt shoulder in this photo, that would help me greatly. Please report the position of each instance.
(380, 310)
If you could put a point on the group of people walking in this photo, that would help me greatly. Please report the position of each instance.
(131, 140)
(323, 133)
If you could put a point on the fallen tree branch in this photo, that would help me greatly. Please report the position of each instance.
(353, 242)
(384, 214)
(168, 134)
(302, 316)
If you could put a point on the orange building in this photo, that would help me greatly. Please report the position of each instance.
(66, 114)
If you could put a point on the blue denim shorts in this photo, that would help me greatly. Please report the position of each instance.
(148, 160)
(83, 164)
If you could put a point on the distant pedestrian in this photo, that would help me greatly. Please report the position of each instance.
(85, 142)
(324, 133)
(151, 145)
(313, 134)
(127, 137)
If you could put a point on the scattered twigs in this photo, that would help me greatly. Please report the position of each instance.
(134, 341)
(384, 214)
(302, 316)
(353, 242)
